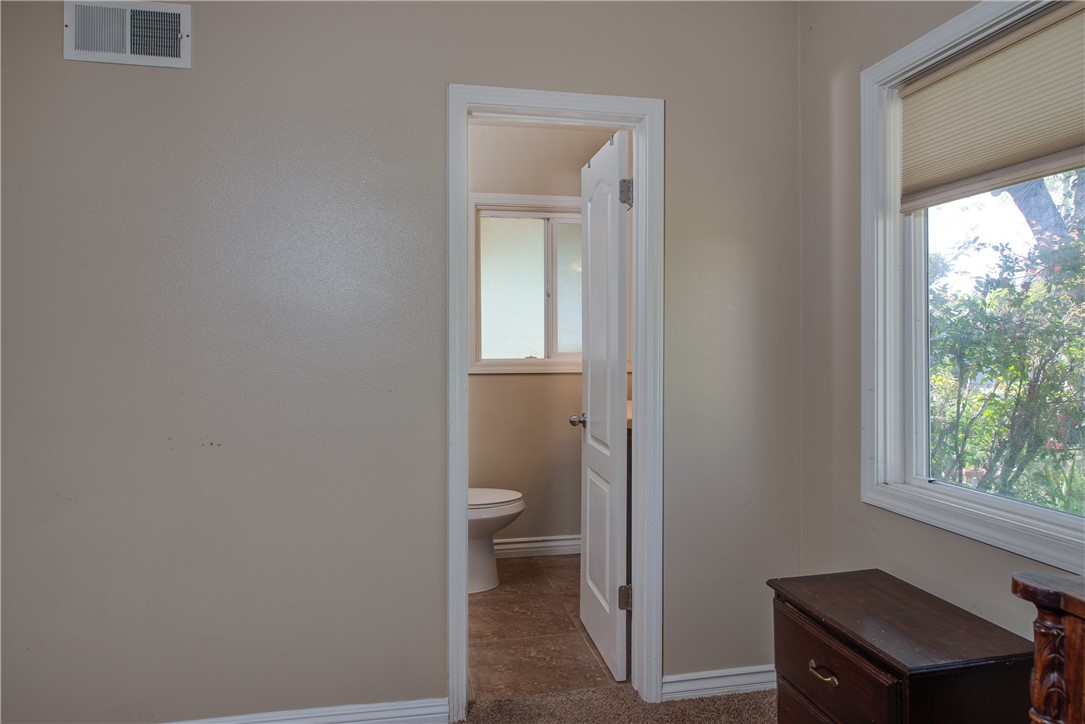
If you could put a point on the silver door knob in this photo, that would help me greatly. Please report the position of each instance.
(580, 419)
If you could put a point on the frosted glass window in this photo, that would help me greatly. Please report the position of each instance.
(512, 287)
(525, 299)
(568, 283)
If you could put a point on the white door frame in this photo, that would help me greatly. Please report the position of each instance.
(644, 116)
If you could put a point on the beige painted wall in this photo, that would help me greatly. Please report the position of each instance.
(224, 370)
(519, 434)
(840, 532)
(224, 344)
(731, 472)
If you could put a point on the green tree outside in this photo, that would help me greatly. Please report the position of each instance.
(1007, 356)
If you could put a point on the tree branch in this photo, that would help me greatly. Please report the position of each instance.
(1077, 217)
(1040, 211)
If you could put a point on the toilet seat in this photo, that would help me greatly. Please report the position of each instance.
(483, 498)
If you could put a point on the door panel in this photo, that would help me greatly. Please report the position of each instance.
(597, 574)
(603, 476)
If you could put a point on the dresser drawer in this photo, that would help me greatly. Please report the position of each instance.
(793, 709)
(844, 685)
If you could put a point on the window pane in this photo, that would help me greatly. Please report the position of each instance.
(1007, 341)
(567, 274)
(512, 288)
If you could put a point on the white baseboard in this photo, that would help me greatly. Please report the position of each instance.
(547, 545)
(721, 681)
(419, 711)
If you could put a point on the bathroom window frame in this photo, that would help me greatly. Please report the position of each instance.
(553, 209)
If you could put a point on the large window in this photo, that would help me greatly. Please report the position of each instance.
(974, 280)
(527, 285)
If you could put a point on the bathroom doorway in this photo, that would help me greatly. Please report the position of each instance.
(525, 630)
(505, 112)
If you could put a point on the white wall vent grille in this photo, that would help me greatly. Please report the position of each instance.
(133, 33)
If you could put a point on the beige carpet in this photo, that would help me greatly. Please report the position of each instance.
(620, 704)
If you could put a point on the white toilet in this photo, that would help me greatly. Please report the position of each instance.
(488, 511)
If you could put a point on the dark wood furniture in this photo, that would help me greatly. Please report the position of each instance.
(863, 646)
(1058, 673)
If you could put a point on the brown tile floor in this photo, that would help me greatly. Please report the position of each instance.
(525, 636)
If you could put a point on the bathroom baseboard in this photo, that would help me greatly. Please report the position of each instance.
(720, 681)
(419, 711)
(547, 545)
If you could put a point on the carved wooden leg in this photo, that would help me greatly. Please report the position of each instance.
(1057, 687)
(1048, 683)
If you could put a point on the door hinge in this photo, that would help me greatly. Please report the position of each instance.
(625, 191)
(625, 597)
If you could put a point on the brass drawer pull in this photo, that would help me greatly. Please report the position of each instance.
(827, 679)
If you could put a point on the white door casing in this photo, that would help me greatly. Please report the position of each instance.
(603, 496)
(645, 118)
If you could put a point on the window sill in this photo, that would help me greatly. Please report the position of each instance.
(1047, 536)
(524, 367)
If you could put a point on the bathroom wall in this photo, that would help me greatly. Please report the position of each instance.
(520, 437)
(538, 160)
(839, 531)
(224, 343)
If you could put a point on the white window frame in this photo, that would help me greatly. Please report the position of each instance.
(557, 208)
(894, 323)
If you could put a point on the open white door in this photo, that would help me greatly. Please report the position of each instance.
(603, 448)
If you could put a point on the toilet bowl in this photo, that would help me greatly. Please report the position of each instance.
(488, 511)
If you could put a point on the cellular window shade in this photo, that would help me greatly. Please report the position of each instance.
(1017, 105)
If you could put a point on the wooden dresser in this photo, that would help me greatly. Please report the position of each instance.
(863, 646)
(1058, 674)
